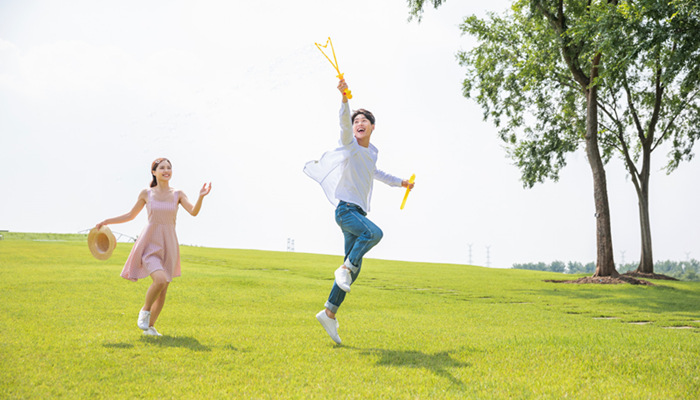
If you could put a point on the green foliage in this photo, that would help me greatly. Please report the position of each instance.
(650, 86)
(572, 267)
(521, 74)
(516, 73)
(416, 7)
(240, 324)
(683, 270)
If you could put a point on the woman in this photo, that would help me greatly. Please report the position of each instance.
(156, 252)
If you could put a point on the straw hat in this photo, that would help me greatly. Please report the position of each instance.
(101, 242)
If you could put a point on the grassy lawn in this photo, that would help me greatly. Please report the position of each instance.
(240, 324)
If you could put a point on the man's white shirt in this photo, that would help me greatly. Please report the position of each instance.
(348, 172)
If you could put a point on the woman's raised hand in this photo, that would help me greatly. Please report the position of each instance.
(205, 190)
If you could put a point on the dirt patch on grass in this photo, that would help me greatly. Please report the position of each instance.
(605, 280)
(635, 274)
(631, 277)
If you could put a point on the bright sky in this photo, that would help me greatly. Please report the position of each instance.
(237, 94)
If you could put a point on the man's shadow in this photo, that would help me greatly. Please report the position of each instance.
(437, 363)
(176, 341)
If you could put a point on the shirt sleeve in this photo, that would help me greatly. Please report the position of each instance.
(346, 136)
(389, 179)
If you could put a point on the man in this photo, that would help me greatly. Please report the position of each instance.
(347, 175)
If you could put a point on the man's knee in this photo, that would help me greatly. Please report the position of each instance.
(376, 234)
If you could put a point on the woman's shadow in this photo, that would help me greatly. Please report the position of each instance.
(176, 341)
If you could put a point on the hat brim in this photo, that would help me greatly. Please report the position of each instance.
(101, 242)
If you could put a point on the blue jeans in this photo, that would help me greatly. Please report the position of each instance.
(361, 235)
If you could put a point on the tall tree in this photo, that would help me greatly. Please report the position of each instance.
(650, 91)
(582, 58)
(540, 89)
(646, 92)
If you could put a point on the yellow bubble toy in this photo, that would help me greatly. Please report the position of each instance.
(408, 190)
(334, 63)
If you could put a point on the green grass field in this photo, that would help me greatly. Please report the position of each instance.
(240, 324)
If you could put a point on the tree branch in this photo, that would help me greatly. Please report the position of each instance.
(658, 96)
(558, 22)
(667, 130)
(633, 110)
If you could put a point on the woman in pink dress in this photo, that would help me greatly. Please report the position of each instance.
(156, 252)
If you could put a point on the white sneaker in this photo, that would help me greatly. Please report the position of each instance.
(329, 324)
(343, 278)
(144, 320)
(151, 331)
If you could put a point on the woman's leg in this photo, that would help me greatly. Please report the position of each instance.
(158, 305)
(159, 284)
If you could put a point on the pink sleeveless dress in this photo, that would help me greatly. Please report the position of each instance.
(157, 247)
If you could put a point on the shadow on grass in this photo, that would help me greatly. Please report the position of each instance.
(662, 298)
(176, 341)
(118, 345)
(436, 363)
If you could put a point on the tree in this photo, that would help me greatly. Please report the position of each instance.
(526, 73)
(557, 266)
(650, 91)
(646, 90)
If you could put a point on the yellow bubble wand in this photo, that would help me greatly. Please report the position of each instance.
(408, 190)
(347, 92)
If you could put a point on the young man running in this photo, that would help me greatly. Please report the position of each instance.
(347, 175)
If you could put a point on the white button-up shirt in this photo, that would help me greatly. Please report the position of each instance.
(348, 172)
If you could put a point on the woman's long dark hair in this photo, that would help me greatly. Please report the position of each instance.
(154, 166)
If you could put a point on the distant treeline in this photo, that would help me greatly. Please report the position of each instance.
(683, 270)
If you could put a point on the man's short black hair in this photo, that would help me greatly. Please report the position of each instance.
(364, 112)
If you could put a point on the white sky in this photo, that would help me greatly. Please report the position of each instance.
(237, 94)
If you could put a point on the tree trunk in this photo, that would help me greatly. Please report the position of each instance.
(640, 179)
(605, 264)
(646, 259)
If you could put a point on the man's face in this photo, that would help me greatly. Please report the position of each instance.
(362, 127)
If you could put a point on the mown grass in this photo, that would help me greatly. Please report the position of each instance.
(240, 324)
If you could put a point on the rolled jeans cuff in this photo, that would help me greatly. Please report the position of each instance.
(351, 267)
(331, 307)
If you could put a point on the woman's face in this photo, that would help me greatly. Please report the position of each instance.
(163, 171)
